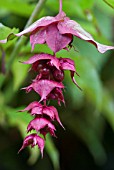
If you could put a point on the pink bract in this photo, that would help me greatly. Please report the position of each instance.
(43, 87)
(56, 94)
(33, 139)
(35, 108)
(31, 106)
(71, 27)
(57, 32)
(39, 124)
(53, 60)
(59, 63)
(53, 111)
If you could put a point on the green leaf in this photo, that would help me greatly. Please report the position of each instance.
(39, 48)
(67, 6)
(108, 107)
(19, 72)
(89, 81)
(15, 117)
(85, 4)
(89, 136)
(110, 3)
(78, 7)
(52, 152)
(18, 7)
(104, 8)
(5, 31)
(2, 77)
(34, 155)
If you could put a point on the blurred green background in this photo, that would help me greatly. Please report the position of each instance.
(88, 117)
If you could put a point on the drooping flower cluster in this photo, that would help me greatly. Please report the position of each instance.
(57, 32)
(48, 84)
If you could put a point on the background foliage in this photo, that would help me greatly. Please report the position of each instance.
(88, 142)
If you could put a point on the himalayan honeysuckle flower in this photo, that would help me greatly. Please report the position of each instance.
(33, 140)
(57, 32)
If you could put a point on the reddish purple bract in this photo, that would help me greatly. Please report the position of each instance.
(57, 32)
(33, 140)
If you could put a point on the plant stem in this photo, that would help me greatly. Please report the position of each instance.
(110, 4)
(22, 39)
(3, 70)
(60, 6)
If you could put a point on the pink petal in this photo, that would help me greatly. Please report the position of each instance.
(43, 87)
(45, 131)
(42, 22)
(39, 24)
(37, 110)
(38, 37)
(72, 27)
(28, 89)
(67, 64)
(54, 61)
(74, 81)
(31, 106)
(40, 123)
(55, 40)
(3, 41)
(51, 110)
(33, 139)
(36, 26)
(56, 94)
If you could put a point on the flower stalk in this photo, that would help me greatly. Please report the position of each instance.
(22, 40)
(60, 6)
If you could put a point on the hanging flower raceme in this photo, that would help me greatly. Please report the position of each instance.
(48, 84)
(57, 32)
(44, 117)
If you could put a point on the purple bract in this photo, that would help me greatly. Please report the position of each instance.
(33, 139)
